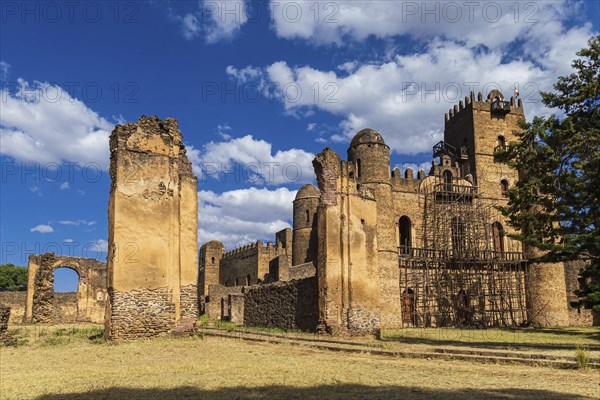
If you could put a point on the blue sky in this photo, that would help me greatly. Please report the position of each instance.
(258, 89)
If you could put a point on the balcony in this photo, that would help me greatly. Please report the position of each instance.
(444, 148)
(500, 107)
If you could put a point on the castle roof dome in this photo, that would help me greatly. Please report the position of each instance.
(308, 191)
(367, 135)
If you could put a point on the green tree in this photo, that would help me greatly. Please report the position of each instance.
(12, 278)
(556, 202)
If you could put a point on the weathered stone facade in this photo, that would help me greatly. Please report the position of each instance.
(153, 228)
(392, 249)
(4, 318)
(17, 302)
(87, 305)
(248, 265)
(284, 305)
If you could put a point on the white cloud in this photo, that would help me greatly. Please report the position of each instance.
(223, 19)
(490, 23)
(190, 26)
(65, 186)
(42, 123)
(406, 97)
(42, 229)
(77, 222)
(99, 245)
(4, 68)
(247, 159)
(68, 241)
(243, 216)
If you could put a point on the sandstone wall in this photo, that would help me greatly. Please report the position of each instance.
(302, 271)
(4, 318)
(91, 288)
(16, 302)
(153, 227)
(578, 316)
(348, 256)
(284, 305)
(65, 309)
(217, 305)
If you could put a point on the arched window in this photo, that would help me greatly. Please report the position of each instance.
(212, 259)
(498, 235)
(408, 307)
(307, 216)
(504, 187)
(458, 237)
(66, 280)
(248, 280)
(405, 234)
(447, 180)
(501, 141)
(358, 167)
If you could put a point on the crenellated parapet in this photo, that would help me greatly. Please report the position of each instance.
(494, 103)
(407, 181)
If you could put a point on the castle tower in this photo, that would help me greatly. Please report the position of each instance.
(371, 159)
(152, 231)
(305, 225)
(210, 260)
(476, 128)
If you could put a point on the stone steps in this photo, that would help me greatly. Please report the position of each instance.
(484, 356)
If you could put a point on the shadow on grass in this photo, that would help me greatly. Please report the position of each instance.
(324, 392)
(492, 343)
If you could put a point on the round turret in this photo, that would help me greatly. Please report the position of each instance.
(371, 157)
(304, 241)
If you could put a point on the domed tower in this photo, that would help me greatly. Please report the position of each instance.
(210, 261)
(304, 242)
(371, 157)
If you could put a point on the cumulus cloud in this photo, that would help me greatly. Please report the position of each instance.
(247, 159)
(65, 186)
(243, 216)
(405, 98)
(42, 229)
(42, 123)
(77, 222)
(215, 21)
(489, 23)
(4, 68)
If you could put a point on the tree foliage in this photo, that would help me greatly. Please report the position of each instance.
(12, 278)
(556, 202)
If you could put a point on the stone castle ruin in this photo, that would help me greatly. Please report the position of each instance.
(393, 250)
(371, 248)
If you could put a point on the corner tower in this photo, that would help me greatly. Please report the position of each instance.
(210, 260)
(369, 156)
(304, 247)
(476, 129)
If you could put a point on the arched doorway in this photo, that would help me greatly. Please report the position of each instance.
(404, 226)
(66, 295)
(447, 176)
(498, 235)
(408, 307)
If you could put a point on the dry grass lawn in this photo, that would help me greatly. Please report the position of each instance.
(68, 365)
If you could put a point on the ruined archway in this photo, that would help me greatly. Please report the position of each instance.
(42, 300)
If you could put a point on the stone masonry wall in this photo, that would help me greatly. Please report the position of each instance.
(152, 231)
(141, 313)
(16, 302)
(218, 297)
(284, 305)
(4, 318)
(65, 310)
(578, 316)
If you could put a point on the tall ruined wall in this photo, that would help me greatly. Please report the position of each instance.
(218, 296)
(348, 257)
(16, 301)
(153, 228)
(91, 288)
(285, 305)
